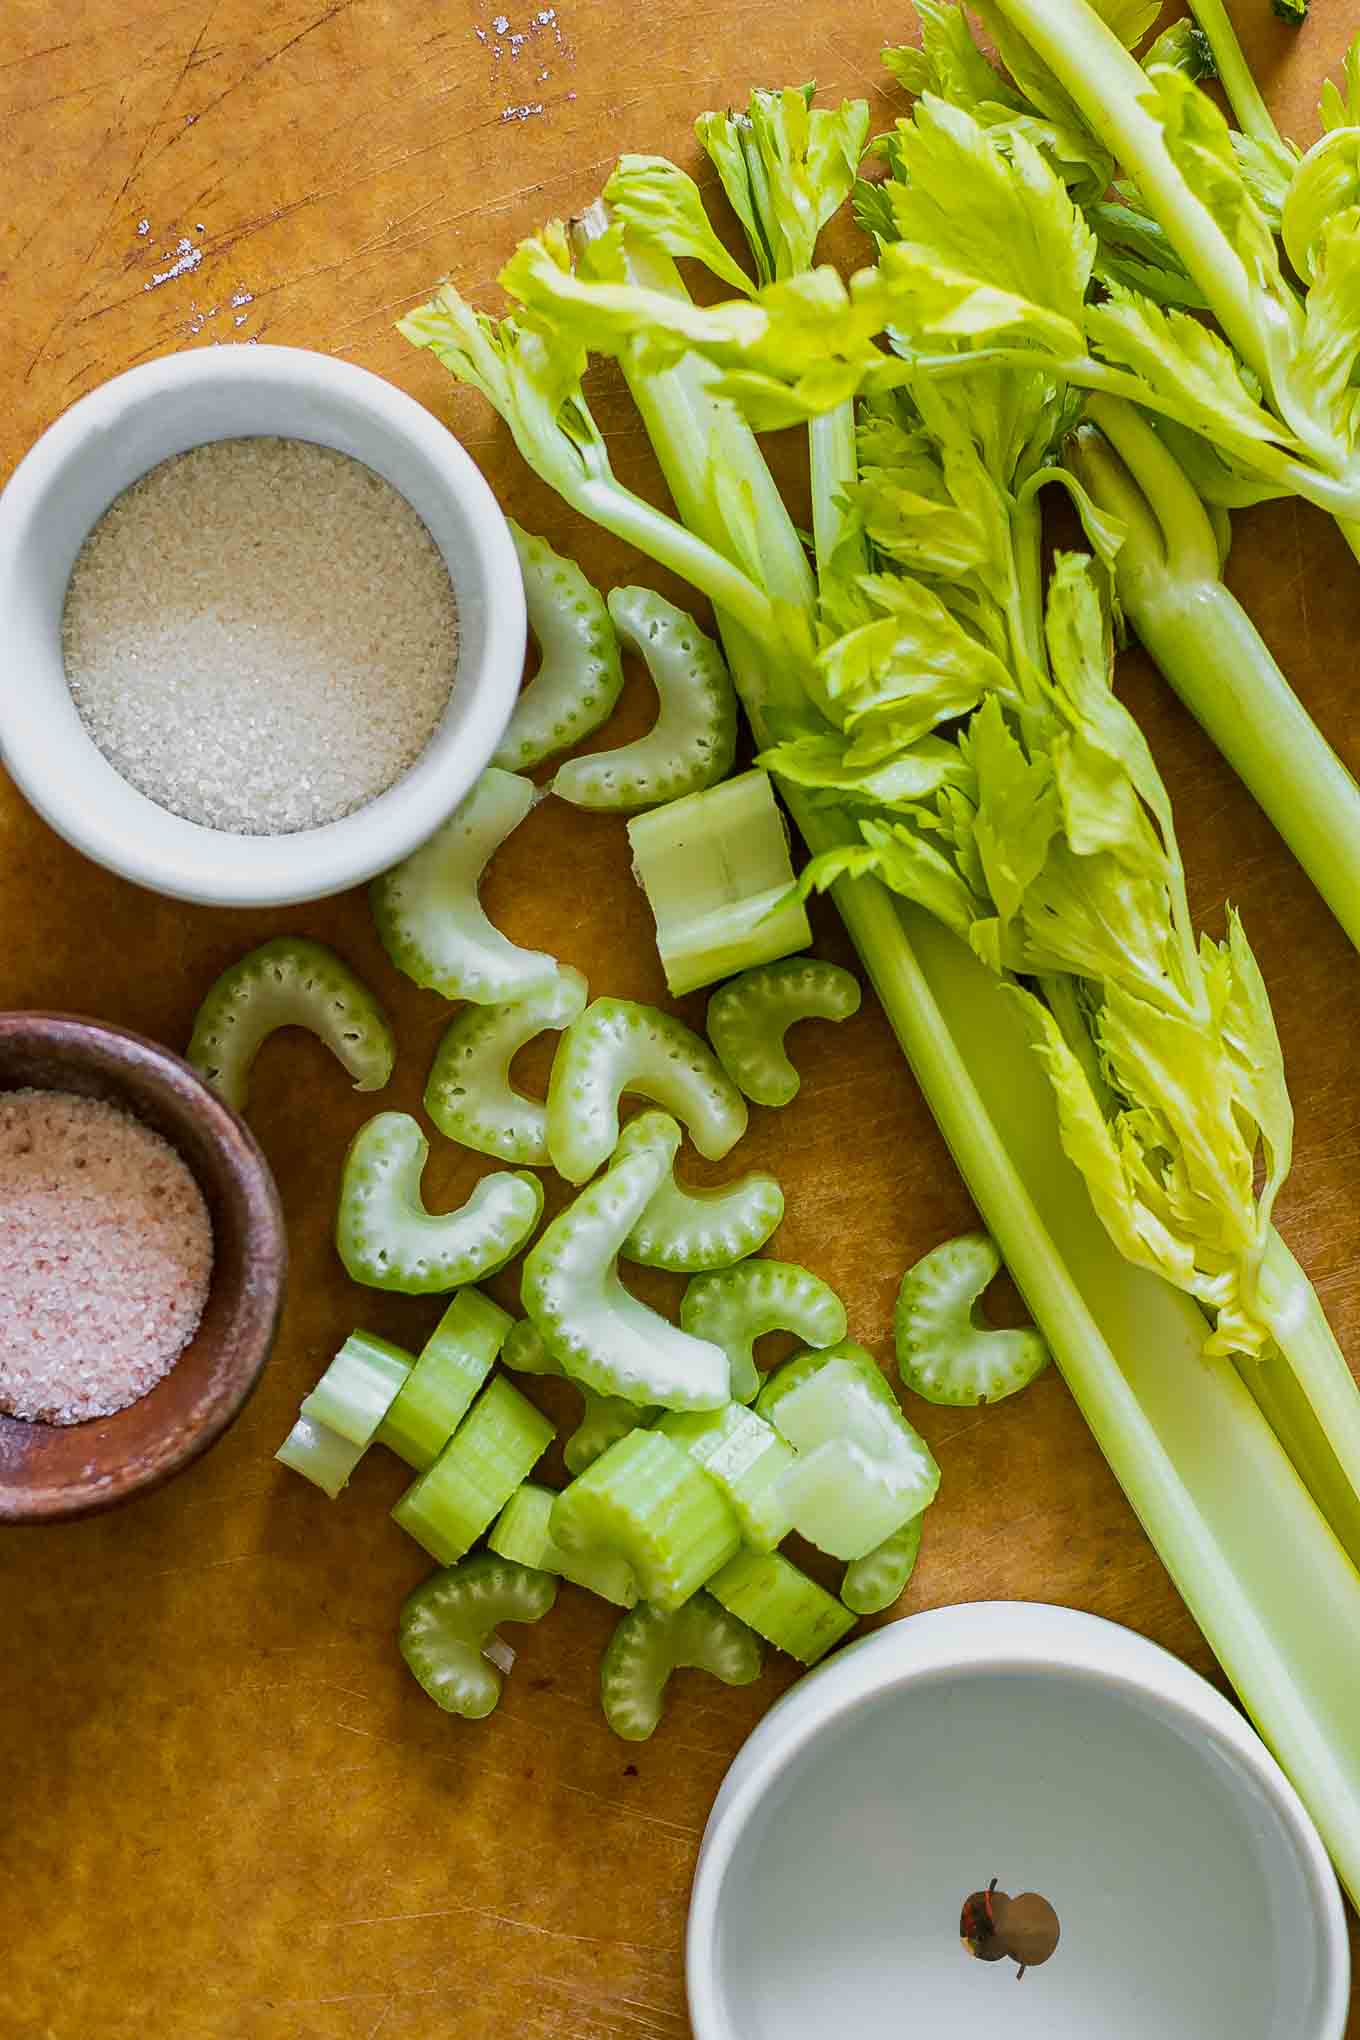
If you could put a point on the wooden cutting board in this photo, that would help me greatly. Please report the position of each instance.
(228, 1814)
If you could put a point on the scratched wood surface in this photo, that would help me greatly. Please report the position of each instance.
(227, 1814)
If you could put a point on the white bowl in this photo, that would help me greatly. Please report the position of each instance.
(95, 451)
(1059, 1754)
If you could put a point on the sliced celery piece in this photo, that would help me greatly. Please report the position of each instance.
(748, 1019)
(431, 922)
(525, 1352)
(875, 1581)
(469, 1095)
(736, 1306)
(747, 1458)
(387, 1239)
(580, 674)
(690, 1231)
(320, 1455)
(452, 1365)
(618, 1046)
(946, 1350)
(497, 1445)
(861, 1470)
(604, 1338)
(803, 1366)
(290, 982)
(647, 1500)
(648, 1645)
(449, 1622)
(604, 1420)
(694, 738)
(767, 1593)
(523, 1531)
(357, 1390)
(715, 868)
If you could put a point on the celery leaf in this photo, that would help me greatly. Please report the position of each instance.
(661, 207)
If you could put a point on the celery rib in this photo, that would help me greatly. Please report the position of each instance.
(1202, 641)
(1259, 1568)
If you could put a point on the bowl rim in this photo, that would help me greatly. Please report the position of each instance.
(182, 859)
(267, 1244)
(1001, 1637)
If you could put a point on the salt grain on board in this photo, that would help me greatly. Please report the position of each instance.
(105, 1257)
(187, 257)
(509, 41)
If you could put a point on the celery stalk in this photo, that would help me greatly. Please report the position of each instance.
(715, 868)
(1195, 1457)
(1110, 87)
(1204, 643)
(1234, 72)
(1258, 1566)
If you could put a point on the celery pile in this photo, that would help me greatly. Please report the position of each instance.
(989, 819)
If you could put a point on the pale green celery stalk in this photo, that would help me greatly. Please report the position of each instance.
(1167, 572)
(1318, 1380)
(1109, 86)
(1208, 649)
(1261, 1572)
(1308, 1393)
(831, 447)
(1286, 474)
(1234, 73)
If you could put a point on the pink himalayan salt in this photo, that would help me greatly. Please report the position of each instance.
(105, 1256)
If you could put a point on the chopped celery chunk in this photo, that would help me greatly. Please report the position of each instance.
(290, 982)
(747, 1457)
(469, 1095)
(452, 1365)
(580, 674)
(946, 1350)
(767, 1593)
(320, 1455)
(387, 1239)
(715, 868)
(523, 1531)
(803, 1366)
(524, 1351)
(692, 742)
(428, 915)
(735, 1306)
(356, 1391)
(497, 1445)
(875, 1581)
(690, 1231)
(648, 1645)
(604, 1420)
(619, 1046)
(647, 1500)
(748, 1019)
(861, 1470)
(605, 1339)
(448, 1625)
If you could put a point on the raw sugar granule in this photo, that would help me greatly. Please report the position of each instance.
(260, 635)
(105, 1256)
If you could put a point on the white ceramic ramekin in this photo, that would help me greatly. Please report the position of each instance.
(95, 451)
(1054, 1752)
